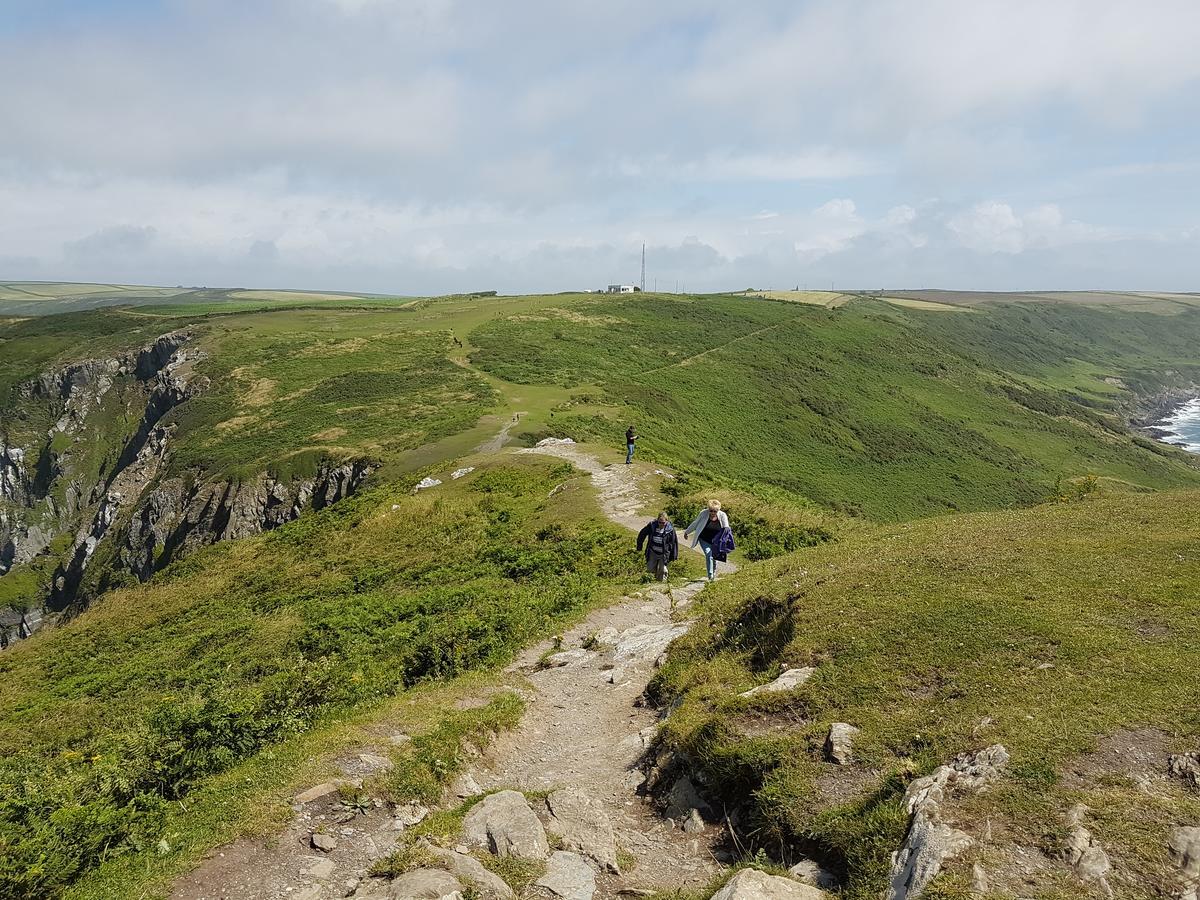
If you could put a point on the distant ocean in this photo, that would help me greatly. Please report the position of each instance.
(1183, 426)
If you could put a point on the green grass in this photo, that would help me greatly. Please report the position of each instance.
(1061, 624)
(184, 709)
(155, 690)
(297, 386)
(868, 409)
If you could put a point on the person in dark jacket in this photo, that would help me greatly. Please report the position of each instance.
(662, 545)
(630, 442)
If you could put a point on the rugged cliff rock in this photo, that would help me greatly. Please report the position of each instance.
(101, 475)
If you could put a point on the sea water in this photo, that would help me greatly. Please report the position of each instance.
(1183, 426)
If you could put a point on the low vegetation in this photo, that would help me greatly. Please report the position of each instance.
(1047, 630)
(111, 718)
(868, 409)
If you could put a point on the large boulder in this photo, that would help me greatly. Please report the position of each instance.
(505, 825)
(419, 884)
(568, 876)
(583, 825)
(751, 884)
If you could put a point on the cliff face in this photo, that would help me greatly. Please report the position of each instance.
(96, 478)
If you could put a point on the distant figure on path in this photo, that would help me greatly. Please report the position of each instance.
(662, 545)
(630, 441)
(711, 527)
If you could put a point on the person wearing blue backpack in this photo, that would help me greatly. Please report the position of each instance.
(712, 533)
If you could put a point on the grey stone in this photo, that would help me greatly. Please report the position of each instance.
(322, 869)
(469, 869)
(419, 884)
(929, 841)
(979, 879)
(410, 814)
(1082, 852)
(583, 825)
(1185, 853)
(326, 842)
(373, 762)
(314, 793)
(567, 658)
(504, 823)
(839, 743)
(568, 876)
(694, 823)
(810, 872)
(645, 642)
(751, 884)
(465, 786)
(1185, 766)
(788, 681)
(683, 798)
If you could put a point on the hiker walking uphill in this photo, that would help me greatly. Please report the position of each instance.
(662, 545)
(630, 441)
(711, 527)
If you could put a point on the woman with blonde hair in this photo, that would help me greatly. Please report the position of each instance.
(710, 526)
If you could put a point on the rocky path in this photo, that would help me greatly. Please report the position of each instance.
(584, 728)
(580, 744)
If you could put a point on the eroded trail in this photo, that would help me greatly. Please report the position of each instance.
(584, 732)
(584, 727)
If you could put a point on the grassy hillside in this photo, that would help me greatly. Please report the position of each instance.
(107, 720)
(1049, 630)
(892, 412)
(156, 714)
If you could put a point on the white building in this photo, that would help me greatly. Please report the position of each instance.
(623, 288)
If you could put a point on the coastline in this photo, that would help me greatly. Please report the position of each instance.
(1171, 417)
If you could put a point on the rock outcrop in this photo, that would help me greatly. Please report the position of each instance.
(470, 870)
(1185, 766)
(930, 841)
(505, 824)
(419, 884)
(1083, 853)
(130, 509)
(839, 744)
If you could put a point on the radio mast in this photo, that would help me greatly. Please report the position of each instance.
(643, 285)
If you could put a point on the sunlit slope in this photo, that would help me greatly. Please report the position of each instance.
(895, 412)
(1056, 631)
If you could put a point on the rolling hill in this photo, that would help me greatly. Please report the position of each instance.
(942, 507)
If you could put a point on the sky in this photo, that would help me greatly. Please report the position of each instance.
(430, 146)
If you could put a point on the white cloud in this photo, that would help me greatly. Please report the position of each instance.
(435, 140)
(994, 227)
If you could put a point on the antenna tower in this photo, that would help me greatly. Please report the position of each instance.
(643, 267)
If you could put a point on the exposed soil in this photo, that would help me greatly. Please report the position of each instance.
(583, 727)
